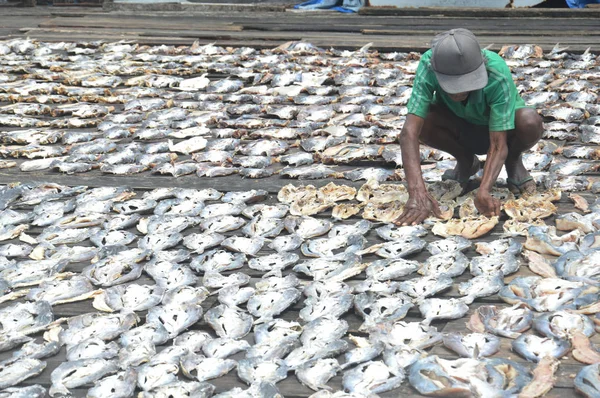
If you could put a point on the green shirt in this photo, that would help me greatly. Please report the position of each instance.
(493, 106)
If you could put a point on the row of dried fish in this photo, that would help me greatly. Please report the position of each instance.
(174, 304)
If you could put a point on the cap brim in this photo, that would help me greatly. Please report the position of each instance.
(454, 84)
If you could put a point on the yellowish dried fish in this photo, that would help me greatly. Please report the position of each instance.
(580, 202)
(469, 228)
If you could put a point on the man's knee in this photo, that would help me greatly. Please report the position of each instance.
(529, 125)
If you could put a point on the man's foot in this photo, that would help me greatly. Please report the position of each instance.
(462, 172)
(519, 180)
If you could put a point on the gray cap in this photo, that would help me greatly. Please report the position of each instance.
(458, 62)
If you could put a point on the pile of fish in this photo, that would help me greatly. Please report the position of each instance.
(297, 111)
(190, 285)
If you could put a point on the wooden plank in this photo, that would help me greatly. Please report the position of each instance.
(136, 23)
(482, 12)
(506, 33)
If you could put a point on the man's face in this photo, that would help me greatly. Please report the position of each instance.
(459, 97)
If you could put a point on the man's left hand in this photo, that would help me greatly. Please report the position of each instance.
(487, 205)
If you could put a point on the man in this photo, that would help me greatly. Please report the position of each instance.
(465, 102)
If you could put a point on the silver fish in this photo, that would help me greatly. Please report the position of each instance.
(376, 310)
(77, 373)
(152, 332)
(266, 211)
(35, 391)
(201, 368)
(227, 322)
(316, 373)
(247, 246)
(586, 380)
(218, 261)
(508, 322)
(222, 224)
(456, 373)
(450, 264)
(481, 286)
(257, 370)
(274, 263)
(105, 327)
(534, 348)
(433, 309)
(365, 351)
(389, 269)
(111, 238)
(473, 345)
(224, 347)
(451, 244)
(175, 319)
(267, 305)
(401, 247)
(130, 297)
(307, 227)
(426, 286)
(92, 348)
(193, 340)
(18, 371)
(63, 291)
(180, 389)
(561, 324)
(21, 317)
(371, 377)
(120, 385)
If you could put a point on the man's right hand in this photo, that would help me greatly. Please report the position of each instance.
(419, 206)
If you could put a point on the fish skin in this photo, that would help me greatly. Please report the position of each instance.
(316, 373)
(426, 286)
(481, 286)
(176, 318)
(389, 269)
(430, 365)
(586, 381)
(474, 345)
(561, 324)
(433, 309)
(501, 322)
(237, 323)
(198, 367)
(381, 310)
(270, 371)
(76, 373)
(371, 377)
(35, 391)
(193, 340)
(267, 305)
(224, 347)
(180, 388)
(16, 372)
(120, 385)
(450, 264)
(534, 348)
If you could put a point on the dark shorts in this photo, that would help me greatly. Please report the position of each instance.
(474, 137)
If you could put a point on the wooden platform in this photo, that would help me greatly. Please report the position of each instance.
(387, 29)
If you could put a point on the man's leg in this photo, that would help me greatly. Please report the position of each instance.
(528, 130)
(441, 130)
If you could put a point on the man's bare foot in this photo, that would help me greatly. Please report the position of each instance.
(519, 180)
(463, 171)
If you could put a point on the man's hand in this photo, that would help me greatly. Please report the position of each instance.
(486, 204)
(419, 206)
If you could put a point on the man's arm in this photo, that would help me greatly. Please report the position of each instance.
(420, 204)
(496, 155)
(411, 157)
